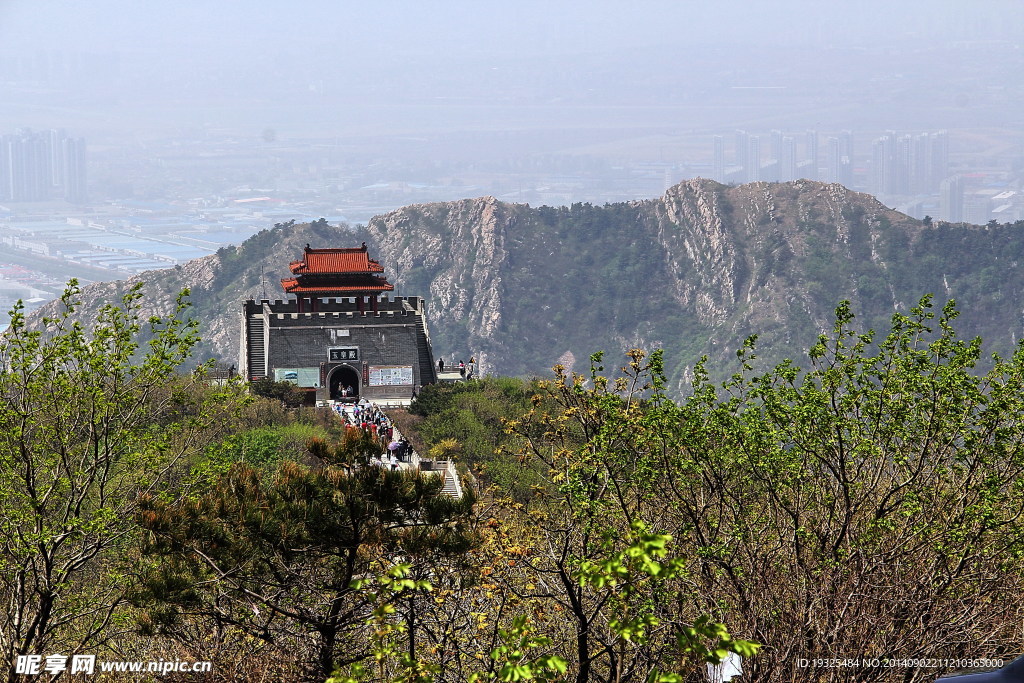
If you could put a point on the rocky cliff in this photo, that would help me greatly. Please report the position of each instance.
(694, 272)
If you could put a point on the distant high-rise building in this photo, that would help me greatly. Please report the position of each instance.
(743, 155)
(718, 167)
(929, 163)
(939, 157)
(812, 153)
(838, 167)
(787, 159)
(978, 207)
(951, 199)
(920, 164)
(24, 168)
(753, 159)
(846, 147)
(37, 166)
(72, 164)
(775, 140)
(901, 164)
(879, 163)
(890, 161)
(832, 157)
(846, 158)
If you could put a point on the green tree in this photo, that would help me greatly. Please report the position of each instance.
(278, 560)
(628, 604)
(84, 429)
(869, 505)
(290, 395)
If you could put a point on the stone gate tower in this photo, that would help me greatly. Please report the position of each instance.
(338, 335)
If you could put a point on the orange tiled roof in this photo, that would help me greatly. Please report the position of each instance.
(336, 261)
(292, 286)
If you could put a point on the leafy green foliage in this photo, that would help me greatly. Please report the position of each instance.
(263, 448)
(355, 447)
(516, 660)
(599, 440)
(868, 503)
(87, 423)
(392, 586)
(286, 392)
(473, 414)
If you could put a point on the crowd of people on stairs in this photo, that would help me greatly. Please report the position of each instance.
(367, 416)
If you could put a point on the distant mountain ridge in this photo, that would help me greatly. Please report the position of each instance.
(694, 272)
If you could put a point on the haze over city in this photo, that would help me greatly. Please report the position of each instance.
(177, 128)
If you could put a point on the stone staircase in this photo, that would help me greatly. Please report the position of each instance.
(257, 350)
(452, 485)
(428, 370)
(444, 468)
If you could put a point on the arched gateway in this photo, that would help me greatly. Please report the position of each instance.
(343, 383)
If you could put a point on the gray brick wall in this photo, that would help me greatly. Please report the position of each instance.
(387, 337)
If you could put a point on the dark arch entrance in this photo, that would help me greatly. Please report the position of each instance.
(343, 377)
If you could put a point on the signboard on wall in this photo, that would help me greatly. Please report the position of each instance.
(304, 377)
(390, 375)
(343, 353)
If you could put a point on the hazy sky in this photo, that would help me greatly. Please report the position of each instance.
(334, 67)
(468, 26)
